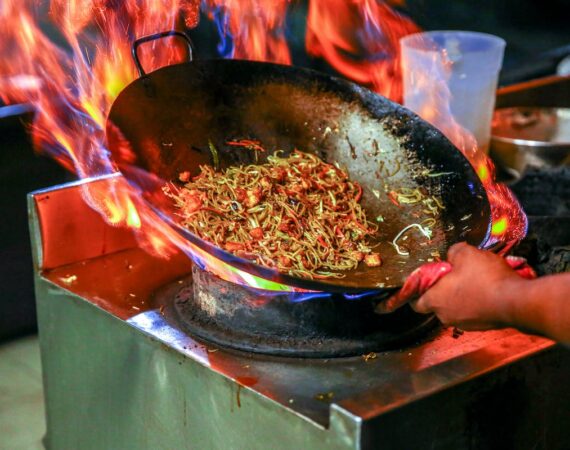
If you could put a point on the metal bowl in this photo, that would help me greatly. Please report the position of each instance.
(530, 136)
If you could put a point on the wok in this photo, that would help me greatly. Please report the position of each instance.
(161, 124)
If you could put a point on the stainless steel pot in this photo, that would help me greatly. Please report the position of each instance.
(530, 136)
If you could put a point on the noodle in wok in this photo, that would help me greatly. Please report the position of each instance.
(296, 213)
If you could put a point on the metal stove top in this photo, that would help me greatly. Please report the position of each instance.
(105, 338)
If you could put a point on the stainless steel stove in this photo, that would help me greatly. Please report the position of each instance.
(118, 373)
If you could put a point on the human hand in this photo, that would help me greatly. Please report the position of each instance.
(469, 296)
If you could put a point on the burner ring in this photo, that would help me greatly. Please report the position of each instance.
(250, 320)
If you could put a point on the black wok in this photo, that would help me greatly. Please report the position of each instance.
(169, 116)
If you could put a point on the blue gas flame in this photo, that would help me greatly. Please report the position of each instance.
(221, 19)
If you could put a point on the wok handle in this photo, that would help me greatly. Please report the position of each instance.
(153, 37)
(424, 277)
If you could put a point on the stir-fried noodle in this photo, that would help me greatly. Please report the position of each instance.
(296, 213)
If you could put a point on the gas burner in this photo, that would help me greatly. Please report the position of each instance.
(317, 325)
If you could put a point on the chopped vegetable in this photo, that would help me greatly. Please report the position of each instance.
(184, 176)
(373, 260)
(247, 143)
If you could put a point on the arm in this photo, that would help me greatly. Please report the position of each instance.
(544, 307)
(483, 292)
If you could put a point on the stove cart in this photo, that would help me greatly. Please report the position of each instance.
(122, 371)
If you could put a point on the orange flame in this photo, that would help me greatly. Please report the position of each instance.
(509, 223)
(73, 87)
(72, 90)
(360, 39)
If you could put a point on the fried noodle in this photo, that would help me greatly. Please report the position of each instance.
(295, 213)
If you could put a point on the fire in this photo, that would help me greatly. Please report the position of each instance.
(72, 90)
(509, 223)
(251, 29)
(360, 39)
(73, 86)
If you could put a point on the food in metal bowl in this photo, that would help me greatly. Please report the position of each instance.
(530, 136)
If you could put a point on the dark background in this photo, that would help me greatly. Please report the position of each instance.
(536, 34)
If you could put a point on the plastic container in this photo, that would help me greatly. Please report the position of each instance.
(467, 63)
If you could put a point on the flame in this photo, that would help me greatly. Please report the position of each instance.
(509, 222)
(360, 39)
(73, 85)
(72, 89)
(251, 29)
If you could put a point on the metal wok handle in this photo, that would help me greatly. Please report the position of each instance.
(154, 37)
